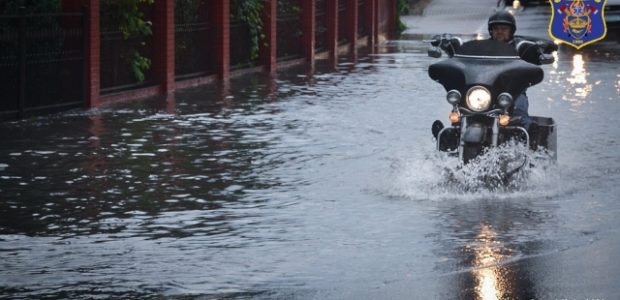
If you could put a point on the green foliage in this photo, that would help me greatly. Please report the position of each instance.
(402, 8)
(249, 13)
(139, 64)
(127, 17)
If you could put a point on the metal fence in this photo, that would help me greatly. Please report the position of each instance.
(42, 62)
(43, 56)
(320, 28)
(342, 23)
(241, 53)
(290, 31)
(194, 54)
(118, 54)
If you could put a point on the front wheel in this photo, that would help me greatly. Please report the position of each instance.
(471, 151)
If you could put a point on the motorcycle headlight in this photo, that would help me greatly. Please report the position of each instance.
(478, 98)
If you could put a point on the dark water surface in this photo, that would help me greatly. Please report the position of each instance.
(306, 187)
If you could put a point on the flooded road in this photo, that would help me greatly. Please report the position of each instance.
(322, 186)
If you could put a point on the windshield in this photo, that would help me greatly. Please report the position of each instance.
(488, 63)
(487, 48)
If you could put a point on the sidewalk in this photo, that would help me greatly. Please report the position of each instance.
(449, 16)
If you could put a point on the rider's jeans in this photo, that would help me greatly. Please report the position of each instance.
(521, 108)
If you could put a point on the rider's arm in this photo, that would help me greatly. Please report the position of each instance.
(535, 51)
(450, 44)
(447, 43)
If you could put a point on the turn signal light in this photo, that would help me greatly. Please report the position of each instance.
(504, 120)
(454, 117)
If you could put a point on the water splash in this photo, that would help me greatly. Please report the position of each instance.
(499, 169)
(509, 171)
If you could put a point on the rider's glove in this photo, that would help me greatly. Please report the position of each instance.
(449, 43)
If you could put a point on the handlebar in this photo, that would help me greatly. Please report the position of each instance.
(445, 42)
(533, 50)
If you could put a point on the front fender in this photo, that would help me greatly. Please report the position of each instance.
(475, 133)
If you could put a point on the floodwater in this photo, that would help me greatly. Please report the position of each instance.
(311, 186)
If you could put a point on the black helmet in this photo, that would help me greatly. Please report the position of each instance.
(503, 17)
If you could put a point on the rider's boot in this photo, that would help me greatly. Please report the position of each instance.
(436, 128)
(516, 121)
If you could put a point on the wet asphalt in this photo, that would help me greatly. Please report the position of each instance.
(316, 186)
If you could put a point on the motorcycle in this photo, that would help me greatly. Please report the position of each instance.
(482, 79)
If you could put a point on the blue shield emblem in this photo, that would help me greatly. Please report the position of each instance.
(577, 22)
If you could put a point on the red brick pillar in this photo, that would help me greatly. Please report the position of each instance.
(331, 35)
(352, 19)
(171, 104)
(93, 54)
(220, 15)
(268, 47)
(163, 39)
(308, 19)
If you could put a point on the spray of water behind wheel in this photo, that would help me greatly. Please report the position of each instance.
(505, 168)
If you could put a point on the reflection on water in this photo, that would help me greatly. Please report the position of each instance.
(488, 254)
(578, 79)
(556, 57)
(208, 185)
(583, 77)
(578, 74)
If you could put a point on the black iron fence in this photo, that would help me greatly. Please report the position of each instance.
(242, 52)
(342, 23)
(119, 54)
(320, 27)
(43, 56)
(289, 29)
(42, 62)
(194, 53)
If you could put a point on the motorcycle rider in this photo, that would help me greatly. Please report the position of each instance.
(502, 27)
